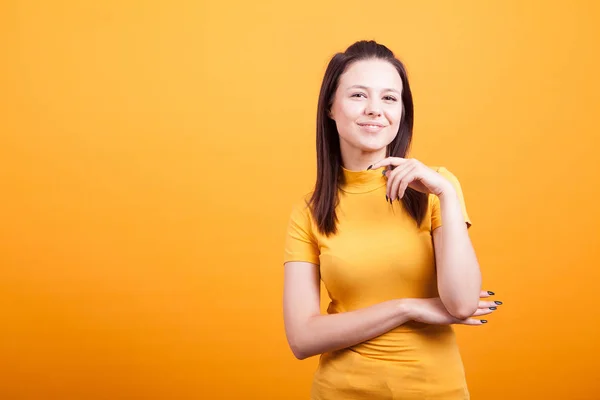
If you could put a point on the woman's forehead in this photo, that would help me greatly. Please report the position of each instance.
(371, 74)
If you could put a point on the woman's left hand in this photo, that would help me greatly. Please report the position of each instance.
(409, 172)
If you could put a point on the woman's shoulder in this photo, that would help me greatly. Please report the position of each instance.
(300, 215)
(445, 172)
(439, 168)
(301, 204)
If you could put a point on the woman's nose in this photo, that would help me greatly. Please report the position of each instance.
(373, 108)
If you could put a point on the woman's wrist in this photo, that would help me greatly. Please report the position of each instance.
(447, 191)
(406, 309)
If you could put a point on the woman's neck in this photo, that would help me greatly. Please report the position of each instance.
(358, 160)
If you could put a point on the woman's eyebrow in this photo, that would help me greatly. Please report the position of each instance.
(366, 88)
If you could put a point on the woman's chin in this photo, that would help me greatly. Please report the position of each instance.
(366, 144)
(373, 146)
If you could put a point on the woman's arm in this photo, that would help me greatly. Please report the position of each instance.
(458, 274)
(310, 333)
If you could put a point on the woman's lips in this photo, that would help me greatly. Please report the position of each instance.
(373, 128)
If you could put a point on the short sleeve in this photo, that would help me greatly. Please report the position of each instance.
(300, 242)
(436, 215)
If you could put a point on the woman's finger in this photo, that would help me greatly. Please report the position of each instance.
(395, 179)
(473, 321)
(406, 179)
(487, 304)
(486, 293)
(483, 311)
(393, 161)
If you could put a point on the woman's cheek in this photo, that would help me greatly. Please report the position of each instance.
(353, 109)
(395, 115)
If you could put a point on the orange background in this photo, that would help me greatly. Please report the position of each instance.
(150, 153)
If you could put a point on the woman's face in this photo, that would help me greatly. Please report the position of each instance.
(367, 106)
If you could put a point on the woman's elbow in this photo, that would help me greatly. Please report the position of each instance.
(299, 351)
(463, 311)
(298, 347)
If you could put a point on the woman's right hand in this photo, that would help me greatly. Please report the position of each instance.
(432, 311)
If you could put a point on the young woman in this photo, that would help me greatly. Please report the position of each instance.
(388, 237)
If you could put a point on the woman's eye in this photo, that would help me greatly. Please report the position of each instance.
(358, 94)
(391, 98)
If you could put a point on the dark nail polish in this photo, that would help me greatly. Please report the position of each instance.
(383, 172)
(484, 321)
(370, 166)
(491, 293)
(498, 302)
(493, 308)
(386, 198)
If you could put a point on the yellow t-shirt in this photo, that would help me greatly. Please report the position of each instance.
(379, 254)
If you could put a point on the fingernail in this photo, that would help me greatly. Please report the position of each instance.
(383, 172)
(491, 293)
(484, 321)
(370, 166)
(498, 302)
(386, 198)
(493, 308)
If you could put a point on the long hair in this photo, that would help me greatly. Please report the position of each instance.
(330, 176)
